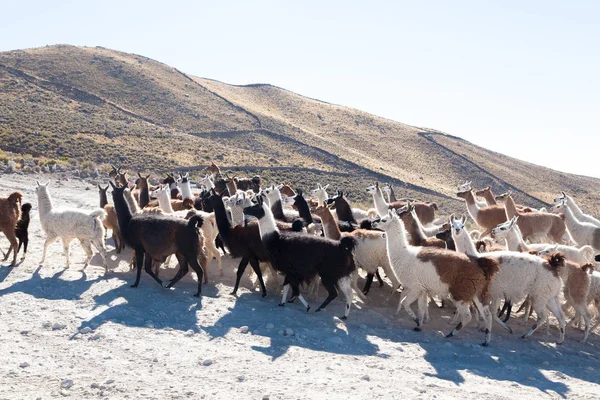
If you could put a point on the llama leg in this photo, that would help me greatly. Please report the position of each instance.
(332, 294)
(464, 311)
(286, 289)
(99, 245)
(181, 272)
(304, 302)
(485, 312)
(368, 283)
(583, 310)
(19, 248)
(554, 306)
(66, 247)
(198, 268)
(49, 240)
(379, 278)
(493, 308)
(14, 244)
(422, 307)
(542, 317)
(25, 244)
(410, 298)
(345, 286)
(148, 269)
(87, 248)
(7, 254)
(139, 261)
(256, 267)
(214, 252)
(240, 272)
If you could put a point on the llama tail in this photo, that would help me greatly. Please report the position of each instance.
(556, 260)
(481, 246)
(597, 258)
(196, 221)
(587, 268)
(588, 252)
(15, 197)
(348, 243)
(98, 213)
(298, 225)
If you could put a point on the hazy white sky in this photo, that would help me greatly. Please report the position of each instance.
(520, 78)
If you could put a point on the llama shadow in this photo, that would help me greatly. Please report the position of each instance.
(51, 287)
(321, 331)
(150, 305)
(5, 272)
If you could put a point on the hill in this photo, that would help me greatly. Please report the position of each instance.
(109, 106)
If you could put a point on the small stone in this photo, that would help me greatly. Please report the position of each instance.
(280, 333)
(155, 360)
(219, 325)
(96, 336)
(109, 382)
(363, 326)
(545, 363)
(94, 386)
(24, 365)
(66, 383)
(64, 393)
(590, 369)
(530, 378)
(86, 330)
(189, 333)
(244, 329)
(207, 362)
(265, 397)
(335, 340)
(241, 378)
(365, 378)
(289, 332)
(270, 326)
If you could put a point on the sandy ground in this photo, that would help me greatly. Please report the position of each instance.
(80, 334)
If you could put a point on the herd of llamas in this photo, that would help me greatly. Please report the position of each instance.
(541, 259)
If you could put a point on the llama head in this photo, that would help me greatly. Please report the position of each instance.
(26, 208)
(504, 196)
(388, 188)
(320, 192)
(168, 180)
(563, 197)
(483, 191)
(502, 230)
(404, 211)
(385, 223)
(373, 188)
(465, 187)
(457, 225)
(259, 209)
(102, 190)
(547, 250)
(42, 188)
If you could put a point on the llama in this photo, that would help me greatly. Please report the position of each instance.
(248, 183)
(209, 227)
(425, 211)
(172, 182)
(370, 252)
(10, 214)
(577, 212)
(427, 271)
(22, 231)
(110, 221)
(487, 218)
(490, 200)
(176, 204)
(154, 237)
(417, 236)
(389, 191)
(446, 236)
(213, 170)
(286, 190)
(583, 233)
(520, 275)
(231, 185)
(313, 225)
(276, 203)
(302, 257)
(183, 184)
(69, 224)
(320, 193)
(144, 190)
(536, 225)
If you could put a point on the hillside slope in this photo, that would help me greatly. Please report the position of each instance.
(115, 107)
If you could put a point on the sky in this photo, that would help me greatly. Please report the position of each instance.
(520, 78)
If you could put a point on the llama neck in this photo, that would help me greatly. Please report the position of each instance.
(489, 198)
(577, 212)
(144, 194)
(277, 210)
(413, 229)
(515, 242)
(165, 202)
(174, 190)
(266, 224)
(472, 207)
(44, 201)
(509, 206)
(397, 243)
(231, 187)
(223, 223)
(186, 191)
(103, 199)
(380, 205)
(570, 220)
(133, 205)
(463, 243)
(330, 227)
(304, 211)
(122, 210)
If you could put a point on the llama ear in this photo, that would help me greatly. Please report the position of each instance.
(376, 184)
(452, 218)
(47, 183)
(463, 219)
(38, 183)
(326, 186)
(488, 187)
(112, 184)
(140, 175)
